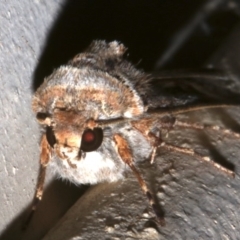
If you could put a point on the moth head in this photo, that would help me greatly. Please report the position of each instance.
(70, 134)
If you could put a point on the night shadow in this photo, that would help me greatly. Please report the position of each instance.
(227, 119)
(146, 28)
(58, 197)
(214, 152)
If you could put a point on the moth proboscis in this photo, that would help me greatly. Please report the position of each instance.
(102, 117)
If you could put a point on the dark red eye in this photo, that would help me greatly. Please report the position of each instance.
(91, 139)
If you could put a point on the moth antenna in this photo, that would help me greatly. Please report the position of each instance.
(108, 122)
(180, 110)
(198, 126)
(191, 152)
(44, 159)
(162, 112)
(126, 155)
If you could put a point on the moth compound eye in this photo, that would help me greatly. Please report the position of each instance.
(50, 136)
(91, 139)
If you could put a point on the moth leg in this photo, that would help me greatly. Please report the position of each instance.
(191, 152)
(166, 123)
(44, 159)
(126, 155)
(205, 127)
(155, 142)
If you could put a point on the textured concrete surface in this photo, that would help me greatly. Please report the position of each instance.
(199, 201)
(23, 29)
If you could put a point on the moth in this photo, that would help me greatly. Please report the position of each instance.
(102, 117)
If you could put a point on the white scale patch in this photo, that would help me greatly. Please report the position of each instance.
(92, 169)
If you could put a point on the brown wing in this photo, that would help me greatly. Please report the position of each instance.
(179, 88)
